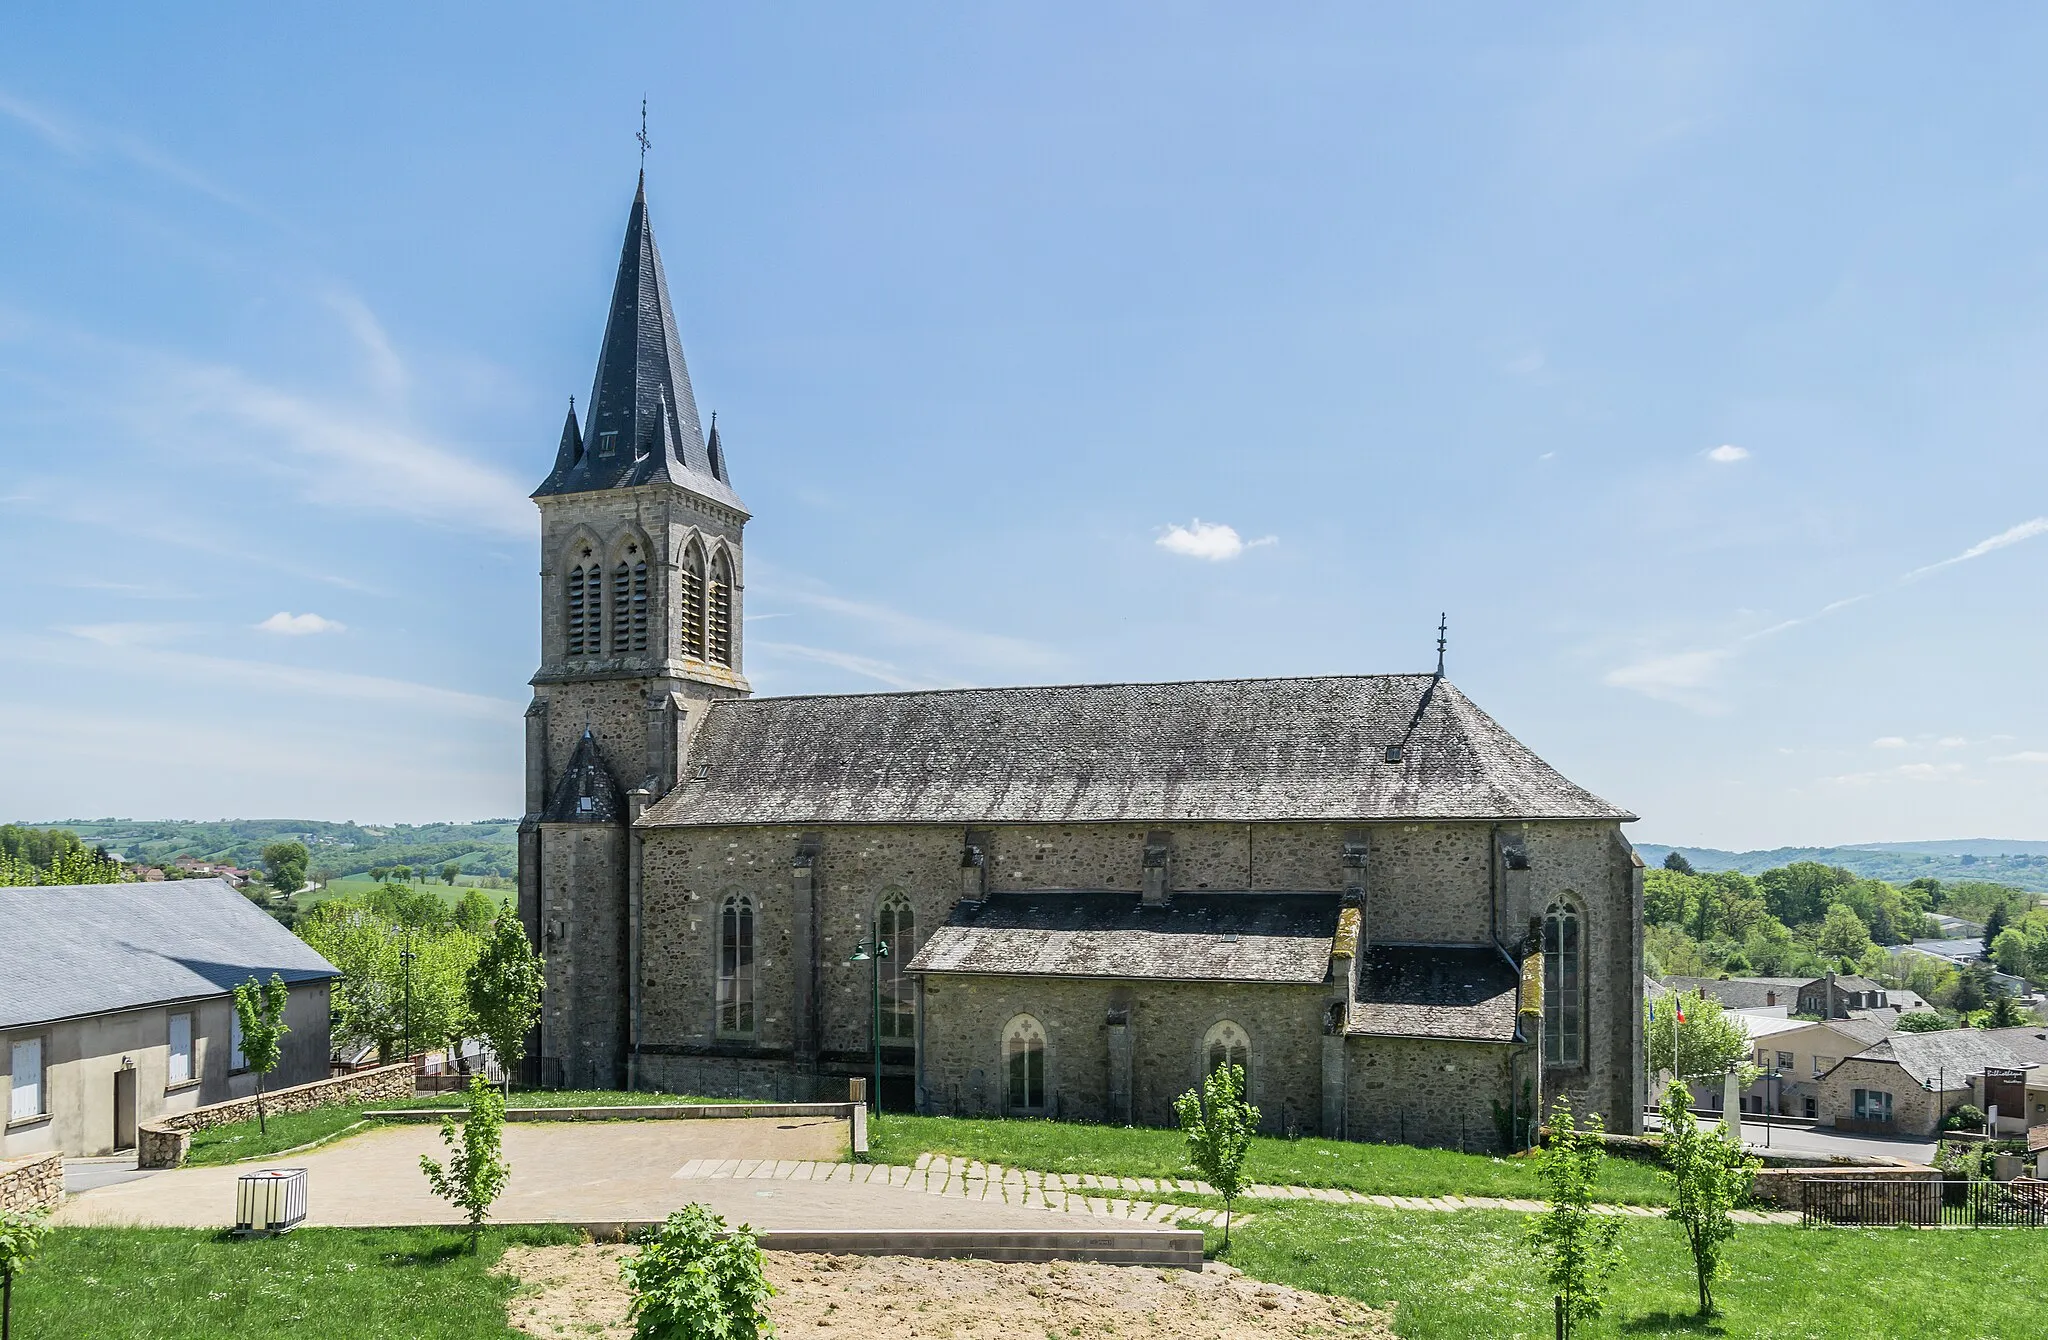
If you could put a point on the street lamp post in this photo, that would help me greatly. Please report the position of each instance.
(872, 951)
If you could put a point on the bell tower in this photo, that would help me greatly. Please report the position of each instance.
(641, 579)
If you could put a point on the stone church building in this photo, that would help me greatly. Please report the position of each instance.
(1396, 917)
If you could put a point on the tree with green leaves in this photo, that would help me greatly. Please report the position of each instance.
(2005, 1012)
(1972, 990)
(379, 872)
(1218, 1123)
(1923, 1021)
(504, 986)
(697, 1280)
(1709, 1176)
(449, 872)
(284, 864)
(259, 1007)
(476, 1169)
(475, 910)
(1675, 860)
(1843, 934)
(1995, 924)
(20, 1235)
(1711, 1042)
(1577, 1246)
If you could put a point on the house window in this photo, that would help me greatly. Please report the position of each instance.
(1228, 1044)
(896, 924)
(1785, 1060)
(1872, 1104)
(236, 1061)
(607, 443)
(180, 1071)
(1564, 1042)
(25, 1061)
(736, 966)
(1024, 1064)
(1770, 997)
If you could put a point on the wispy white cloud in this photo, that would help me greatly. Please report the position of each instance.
(301, 625)
(387, 370)
(1212, 541)
(128, 634)
(48, 125)
(2023, 756)
(1727, 454)
(868, 667)
(966, 647)
(1889, 742)
(1904, 772)
(2025, 530)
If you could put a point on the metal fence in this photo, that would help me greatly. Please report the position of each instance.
(1948, 1203)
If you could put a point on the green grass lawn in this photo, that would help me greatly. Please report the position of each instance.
(313, 1284)
(1471, 1274)
(1125, 1151)
(243, 1140)
(356, 886)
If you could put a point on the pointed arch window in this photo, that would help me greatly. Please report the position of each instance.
(690, 604)
(896, 923)
(1024, 1065)
(1226, 1043)
(1564, 1015)
(583, 595)
(736, 966)
(622, 606)
(719, 625)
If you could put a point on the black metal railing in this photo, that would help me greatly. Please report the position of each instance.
(1945, 1203)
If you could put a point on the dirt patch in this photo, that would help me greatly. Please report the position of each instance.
(576, 1291)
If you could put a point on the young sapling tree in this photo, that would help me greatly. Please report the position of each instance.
(259, 1009)
(1577, 1245)
(1218, 1123)
(1709, 1176)
(476, 1170)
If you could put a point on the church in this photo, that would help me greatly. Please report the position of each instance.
(1063, 901)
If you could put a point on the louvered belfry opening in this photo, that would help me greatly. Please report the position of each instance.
(584, 594)
(691, 602)
(720, 629)
(622, 602)
(639, 608)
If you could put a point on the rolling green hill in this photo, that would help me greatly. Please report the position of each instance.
(488, 848)
(2021, 864)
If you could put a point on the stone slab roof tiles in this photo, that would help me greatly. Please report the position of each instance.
(1219, 750)
(1946, 1056)
(73, 950)
(1202, 937)
(1465, 992)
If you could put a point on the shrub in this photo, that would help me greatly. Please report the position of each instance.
(1964, 1117)
(697, 1281)
(1578, 1247)
(476, 1170)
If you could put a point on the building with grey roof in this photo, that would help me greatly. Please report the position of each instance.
(116, 1007)
(1061, 900)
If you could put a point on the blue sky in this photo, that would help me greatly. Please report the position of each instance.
(1692, 360)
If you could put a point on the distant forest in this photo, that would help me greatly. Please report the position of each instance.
(2023, 865)
(488, 848)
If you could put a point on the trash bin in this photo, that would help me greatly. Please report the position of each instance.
(272, 1200)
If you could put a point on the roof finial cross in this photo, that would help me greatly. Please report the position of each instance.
(1443, 623)
(642, 137)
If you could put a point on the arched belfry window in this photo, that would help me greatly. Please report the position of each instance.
(622, 602)
(896, 923)
(736, 966)
(1226, 1043)
(1024, 1065)
(690, 605)
(719, 630)
(583, 597)
(1564, 1015)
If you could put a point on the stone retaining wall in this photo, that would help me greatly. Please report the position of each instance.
(31, 1184)
(1781, 1186)
(164, 1142)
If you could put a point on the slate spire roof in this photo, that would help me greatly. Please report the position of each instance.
(641, 424)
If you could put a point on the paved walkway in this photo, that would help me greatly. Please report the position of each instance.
(1115, 1197)
(782, 1173)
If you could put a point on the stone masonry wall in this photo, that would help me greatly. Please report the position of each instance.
(583, 940)
(965, 1018)
(162, 1143)
(1425, 1091)
(1916, 1112)
(33, 1184)
(1426, 883)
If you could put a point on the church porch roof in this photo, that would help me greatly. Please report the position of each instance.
(1274, 938)
(1462, 992)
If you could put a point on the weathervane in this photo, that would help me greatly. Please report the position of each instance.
(1443, 622)
(642, 137)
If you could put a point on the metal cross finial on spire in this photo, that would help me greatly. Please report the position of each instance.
(642, 137)
(1443, 623)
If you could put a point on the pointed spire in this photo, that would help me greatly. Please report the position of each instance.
(716, 451)
(1443, 623)
(641, 425)
(571, 450)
